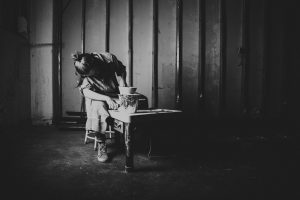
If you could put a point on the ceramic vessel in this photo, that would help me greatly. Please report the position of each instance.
(127, 90)
(128, 103)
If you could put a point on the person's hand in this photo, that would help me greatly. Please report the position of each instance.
(122, 82)
(111, 103)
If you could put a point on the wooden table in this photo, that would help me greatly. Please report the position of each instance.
(125, 123)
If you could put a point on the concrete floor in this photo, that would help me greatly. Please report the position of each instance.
(47, 163)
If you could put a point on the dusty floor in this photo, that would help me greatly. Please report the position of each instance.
(47, 163)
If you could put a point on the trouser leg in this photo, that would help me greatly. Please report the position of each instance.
(96, 118)
(99, 115)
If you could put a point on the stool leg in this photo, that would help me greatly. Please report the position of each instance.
(85, 138)
(109, 128)
(95, 144)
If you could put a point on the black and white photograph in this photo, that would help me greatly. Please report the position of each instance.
(150, 99)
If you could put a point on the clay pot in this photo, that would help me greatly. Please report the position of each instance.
(127, 90)
(128, 103)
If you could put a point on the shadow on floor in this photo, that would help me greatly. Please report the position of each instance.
(47, 163)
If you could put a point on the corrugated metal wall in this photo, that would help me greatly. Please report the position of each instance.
(41, 61)
(218, 52)
(15, 98)
(71, 36)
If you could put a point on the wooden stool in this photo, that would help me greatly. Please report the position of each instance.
(94, 138)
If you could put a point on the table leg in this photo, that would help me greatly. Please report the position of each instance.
(129, 147)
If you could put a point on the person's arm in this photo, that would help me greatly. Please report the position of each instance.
(122, 80)
(120, 70)
(100, 97)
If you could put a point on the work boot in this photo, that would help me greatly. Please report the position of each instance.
(102, 152)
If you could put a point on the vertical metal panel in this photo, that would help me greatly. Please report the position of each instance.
(190, 55)
(107, 31)
(222, 59)
(245, 59)
(19, 76)
(201, 58)
(213, 57)
(155, 55)
(256, 57)
(178, 71)
(275, 71)
(130, 41)
(265, 68)
(41, 66)
(57, 7)
(292, 15)
(83, 26)
(95, 26)
(142, 47)
(166, 53)
(71, 41)
(234, 52)
(119, 30)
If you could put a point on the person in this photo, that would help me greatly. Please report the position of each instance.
(99, 78)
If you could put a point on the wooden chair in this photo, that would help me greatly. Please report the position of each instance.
(90, 135)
